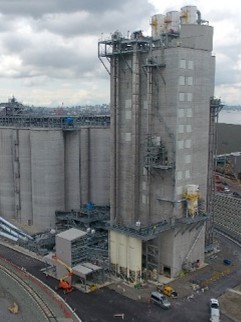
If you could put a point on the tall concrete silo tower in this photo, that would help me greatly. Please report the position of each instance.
(160, 109)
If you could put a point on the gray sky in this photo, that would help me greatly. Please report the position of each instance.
(49, 47)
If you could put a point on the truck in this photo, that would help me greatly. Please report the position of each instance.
(167, 290)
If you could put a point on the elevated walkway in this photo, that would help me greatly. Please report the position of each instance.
(152, 231)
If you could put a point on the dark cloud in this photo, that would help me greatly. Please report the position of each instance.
(58, 38)
(37, 8)
(88, 23)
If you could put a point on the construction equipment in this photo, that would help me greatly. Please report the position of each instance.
(63, 283)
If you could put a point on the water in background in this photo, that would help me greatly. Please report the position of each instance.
(230, 117)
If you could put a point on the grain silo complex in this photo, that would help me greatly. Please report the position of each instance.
(160, 116)
(51, 163)
(151, 162)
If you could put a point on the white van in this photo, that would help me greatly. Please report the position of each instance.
(214, 310)
(160, 299)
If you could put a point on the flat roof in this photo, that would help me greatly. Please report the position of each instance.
(84, 269)
(91, 266)
(72, 234)
(81, 270)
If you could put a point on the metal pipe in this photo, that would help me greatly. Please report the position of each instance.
(8, 236)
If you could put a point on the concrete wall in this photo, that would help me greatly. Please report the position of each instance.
(46, 170)
(186, 243)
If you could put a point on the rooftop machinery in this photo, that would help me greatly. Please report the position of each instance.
(160, 105)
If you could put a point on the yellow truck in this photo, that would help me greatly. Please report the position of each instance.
(167, 290)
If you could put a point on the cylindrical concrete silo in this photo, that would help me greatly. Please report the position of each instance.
(47, 167)
(99, 166)
(26, 211)
(84, 165)
(7, 189)
(72, 170)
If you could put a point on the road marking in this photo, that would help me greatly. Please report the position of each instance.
(234, 291)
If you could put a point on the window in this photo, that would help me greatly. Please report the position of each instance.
(128, 115)
(189, 112)
(181, 80)
(128, 103)
(180, 144)
(180, 128)
(127, 137)
(190, 64)
(182, 63)
(180, 112)
(190, 81)
(181, 97)
(144, 199)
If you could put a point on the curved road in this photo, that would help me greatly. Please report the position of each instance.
(103, 304)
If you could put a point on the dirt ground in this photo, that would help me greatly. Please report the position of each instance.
(231, 303)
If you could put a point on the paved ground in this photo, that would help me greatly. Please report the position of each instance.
(215, 279)
(102, 305)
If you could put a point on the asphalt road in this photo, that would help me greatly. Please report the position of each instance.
(103, 304)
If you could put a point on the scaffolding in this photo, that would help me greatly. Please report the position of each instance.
(94, 221)
(150, 232)
(157, 155)
(215, 107)
(54, 122)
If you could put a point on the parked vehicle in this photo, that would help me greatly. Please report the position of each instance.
(160, 299)
(214, 310)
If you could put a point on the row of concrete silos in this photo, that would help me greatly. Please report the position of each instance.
(45, 170)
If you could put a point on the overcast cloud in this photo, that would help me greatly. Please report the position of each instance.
(48, 48)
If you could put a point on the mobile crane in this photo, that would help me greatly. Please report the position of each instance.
(63, 284)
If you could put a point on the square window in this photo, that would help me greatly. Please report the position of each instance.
(181, 80)
(182, 63)
(189, 112)
(180, 144)
(180, 112)
(128, 115)
(181, 97)
(180, 128)
(190, 81)
(190, 64)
